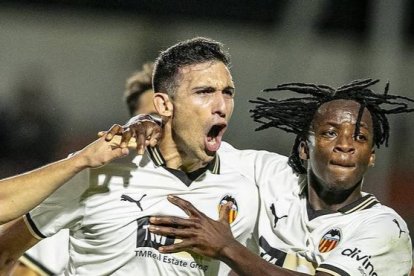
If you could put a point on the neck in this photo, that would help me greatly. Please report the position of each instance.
(322, 198)
(174, 157)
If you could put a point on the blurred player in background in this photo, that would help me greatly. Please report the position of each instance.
(138, 93)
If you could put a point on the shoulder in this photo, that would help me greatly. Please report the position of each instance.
(387, 223)
(380, 245)
(382, 231)
(249, 157)
(258, 165)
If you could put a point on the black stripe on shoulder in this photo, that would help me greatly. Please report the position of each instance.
(30, 262)
(156, 156)
(363, 203)
(34, 227)
(214, 165)
(375, 202)
(332, 270)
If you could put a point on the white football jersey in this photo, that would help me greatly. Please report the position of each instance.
(50, 256)
(362, 238)
(107, 211)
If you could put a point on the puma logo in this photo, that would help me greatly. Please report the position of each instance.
(272, 208)
(130, 199)
(399, 227)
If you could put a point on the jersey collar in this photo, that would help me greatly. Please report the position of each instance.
(360, 204)
(363, 203)
(158, 159)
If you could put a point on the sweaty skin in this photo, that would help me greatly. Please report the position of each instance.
(337, 156)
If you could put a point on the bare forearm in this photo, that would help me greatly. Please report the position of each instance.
(23, 192)
(15, 238)
(245, 263)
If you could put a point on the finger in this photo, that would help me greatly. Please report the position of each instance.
(155, 137)
(184, 245)
(115, 129)
(114, 142)
(120, 152)
(101, 133)
(224, 213)
(140, 143)
(181, 233)
(175, 221)
(185, 205)
(126, 136)
(132, 144)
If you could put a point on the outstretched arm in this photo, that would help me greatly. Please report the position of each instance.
(214, 239)
(19, 194)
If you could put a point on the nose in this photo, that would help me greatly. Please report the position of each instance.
(345, 143)
(220, 104)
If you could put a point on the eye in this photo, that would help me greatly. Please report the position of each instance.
(204, 91)
(229, 92)
(329, 133)
(360, 137)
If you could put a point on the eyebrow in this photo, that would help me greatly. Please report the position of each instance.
(211, 88)
(334, 124)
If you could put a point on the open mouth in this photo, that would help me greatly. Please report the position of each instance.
(214, 135)
(215, 131)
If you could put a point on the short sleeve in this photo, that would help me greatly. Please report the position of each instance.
(380, 246)
(63, 209)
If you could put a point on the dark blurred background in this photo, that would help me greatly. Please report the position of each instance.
(63, 65)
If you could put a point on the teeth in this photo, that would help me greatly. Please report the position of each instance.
(212, 141)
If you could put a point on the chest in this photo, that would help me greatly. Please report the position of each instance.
(286, 225)
(115, 201)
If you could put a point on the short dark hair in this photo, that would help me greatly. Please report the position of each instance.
(188, 52)
(136, 85)
(295, 115)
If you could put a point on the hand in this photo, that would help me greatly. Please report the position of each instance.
(141, 127)
(101, 152)
(199, 233)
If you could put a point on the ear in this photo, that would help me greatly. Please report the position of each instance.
(303, 150)
(372, 159)
(163, 104)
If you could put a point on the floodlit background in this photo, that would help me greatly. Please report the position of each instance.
(63, 65)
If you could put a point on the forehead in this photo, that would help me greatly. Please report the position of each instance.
(210, 73)
(341, 112)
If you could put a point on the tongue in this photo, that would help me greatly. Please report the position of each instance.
(213, 143)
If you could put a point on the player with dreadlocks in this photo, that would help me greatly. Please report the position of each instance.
(295, 115)
(321, 223)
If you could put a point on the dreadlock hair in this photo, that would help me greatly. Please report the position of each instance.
(295, 115)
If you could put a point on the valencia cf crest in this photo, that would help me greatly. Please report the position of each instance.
(330, 240)
(234, 208)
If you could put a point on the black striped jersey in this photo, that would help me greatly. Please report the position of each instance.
(107, 212)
